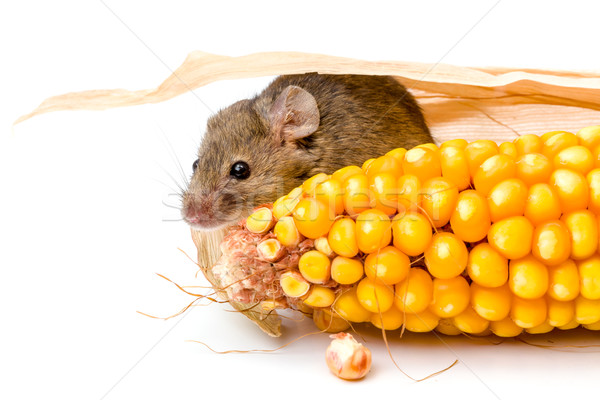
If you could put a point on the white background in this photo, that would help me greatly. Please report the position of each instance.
(88, 207)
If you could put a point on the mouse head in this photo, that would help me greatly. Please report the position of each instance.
(252, 152)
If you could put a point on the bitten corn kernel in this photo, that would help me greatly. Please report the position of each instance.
(293, 284)
(260, 221)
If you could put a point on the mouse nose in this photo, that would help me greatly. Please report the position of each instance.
(198, 211)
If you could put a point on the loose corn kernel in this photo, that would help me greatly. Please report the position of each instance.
(507, 199)
(509, 149)
(589, 277)
(555, 143)
(367, 163)
(492, 171)
(593, 179)
(486, 266)
(528, 313)
(470, 219)
(560, 312)
(542, 328)
(322, 245)
(346, 271)
(414, 294)
(293, 284)
(286, 232)
(260, 221)
(315, 266)
(563, 281)
(422, 162)
(542, 204)
(373, 230)
(270, 250)
(583, 230)
(411, 233)
(284, 206)
(390, 320)
(331, 193)
(326, 321)
(571, 325)
(342, 237)
(450, 296)
(505, 328)
(455, 167)
(311, 183)
(571, 188)
(526, 144)
(589, 136)
(576, 158)
(439, 200)
(388, 266)
(346, 358)
(446, 327)
(409, 194)
(493, 304)
(479, 151)
(533, 168)
(425, 321)
(313, 218)
(446, 256)
(319, 297)
(356, 194)
(347, 306)
(587, 311)
(527, 277)
(458, 143)
(398, 154)
(384, 192)
(551, 243)
(373, 296)
(511, 237)
(384, 164)
(469, 321)
(344, 173)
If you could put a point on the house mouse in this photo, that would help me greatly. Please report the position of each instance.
(260, 148)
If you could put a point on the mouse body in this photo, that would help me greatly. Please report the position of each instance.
(260, 148)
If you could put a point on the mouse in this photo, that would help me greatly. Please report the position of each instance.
(259, 149)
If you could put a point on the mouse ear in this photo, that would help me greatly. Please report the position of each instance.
(294, 114)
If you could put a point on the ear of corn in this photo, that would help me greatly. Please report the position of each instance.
(467, 237)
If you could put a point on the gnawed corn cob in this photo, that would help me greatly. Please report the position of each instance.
(467, 237)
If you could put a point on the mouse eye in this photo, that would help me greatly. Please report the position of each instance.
(195, 165)
(240, 170)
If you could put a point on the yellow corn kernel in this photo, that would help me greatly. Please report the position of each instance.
(542, 328)
(551, 243)
(571, 188)
(589, 277)
(511, 237)
(446, 327)
(548, 135)
(533, 168)
(293, 284)
(414, 294)
(509, 149)
(557, 142)
(315, 266)
(469, 321)
(390, 320)
(322, 245)
(347, 306)
(346, 271)
(319, 297)
(458, 143)
(526, 144)
(527, 277)
(493, 304)
(455, 167)
(384, 192)
(388, 266)
(592, 327)
(528, 313)
(398, 154)
(563, 281)
(486, 266)
(409, 194)
(593, 179)
(425, 321)
(313, 218)
(479, 151)
(284, 206)
(367, 163)
(373, 296)
(311, 183)
(342, 237)
(450, 296)
(596, 154)
(470, 219)
(492, 171)
(260, 221)
(507, 199)
(331, 193)
(583, 230)
(326, 321)
(356, 194)
(542, 204)
(270, 305)
(373, 230)
(576, 158)
(422, 162)
(344, 173)
(431, 146)
(439, 200)
(560, 312)
(589, 136)
(446, 256)
(571, 325)
(411, 233)
(270, 250)
(587, 311)
(505, 328)
(286, 232)
(384, 165)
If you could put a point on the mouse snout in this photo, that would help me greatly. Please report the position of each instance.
(210, 211)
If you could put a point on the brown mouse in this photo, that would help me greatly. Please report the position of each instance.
(259, 149)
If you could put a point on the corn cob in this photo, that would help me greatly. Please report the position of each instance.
(474, 237)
